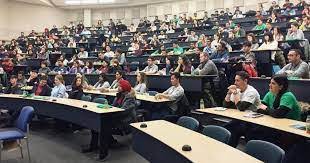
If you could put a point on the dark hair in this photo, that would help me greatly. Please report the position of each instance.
(120, 72)
(185, 60)
(269, 34)
(253, 37)
(44, 62)
(295, 24)
(118, 50)
(297, 51)
(243, 75)
(20, 72)
(43, 77)
(247, 43)
(278, 29)
(74, 83)
(281, 80)
(152, 58)
(13, 77)
(91, 65)
(104, 77)
(176, 75)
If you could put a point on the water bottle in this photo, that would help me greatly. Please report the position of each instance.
(308, 124)
(202, 104)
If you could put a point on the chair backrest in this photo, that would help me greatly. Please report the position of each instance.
(100, 100)
(188, 122)
(265, 151)
(86, 98)
(24, 118)
(218, 133)
(183, 107)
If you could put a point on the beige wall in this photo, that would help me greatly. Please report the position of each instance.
(17, 16)
(3, 18)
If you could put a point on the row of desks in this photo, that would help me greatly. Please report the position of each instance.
(83, 113)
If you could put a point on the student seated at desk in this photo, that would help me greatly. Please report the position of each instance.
(33, 78)
(241, 96)
(177, 50)
(75, 68)
(151, 67)
(114, 67)
(42, 88)
(141, 83)
(296, 66)
(113, 87)
(108, 53)
(44, 69)
(13, 87)
(206, 67)
(59, 89)
(21, 80)
(184, 65)
(221, 53)
(60, 69)
(279, 102)
(82, 53)
(252, 39)
(102, 82)
(269, 44)
(260, 25)
(77, 88)
(249, 56)
(174, 93)
(126, 100)
(120, 57)
(88, 68)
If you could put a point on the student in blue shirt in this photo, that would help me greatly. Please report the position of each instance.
(59, 90)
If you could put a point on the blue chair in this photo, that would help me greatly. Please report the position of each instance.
(86, 98)
(20, 131)
(100, 100)
(188, 122)
(218, 133)
(265, 151)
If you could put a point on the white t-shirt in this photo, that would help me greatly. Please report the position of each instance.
(249, 95)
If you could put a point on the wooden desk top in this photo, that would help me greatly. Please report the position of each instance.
(91, 106)
(282, 124)
(138, 96)
(204, 149)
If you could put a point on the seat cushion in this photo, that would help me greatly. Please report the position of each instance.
(11, 134)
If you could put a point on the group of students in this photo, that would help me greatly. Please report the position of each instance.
(279, 102)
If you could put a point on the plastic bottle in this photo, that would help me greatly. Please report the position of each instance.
(202, 104)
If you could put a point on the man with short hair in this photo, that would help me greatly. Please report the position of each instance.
(13, 87)
(174, 93)
(33, 79)
(242, 96)
(83, 53)
(151, 67)
(61, 69)
(206, 67)
(296, 67)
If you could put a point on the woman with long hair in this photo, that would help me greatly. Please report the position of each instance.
(184, 65)
(77, 88)
(279, 102)
(141, 84)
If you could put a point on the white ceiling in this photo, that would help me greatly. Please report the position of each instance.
(116, 3)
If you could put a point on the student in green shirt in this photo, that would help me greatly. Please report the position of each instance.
(279, 102)
(260, 25)
(177, 50)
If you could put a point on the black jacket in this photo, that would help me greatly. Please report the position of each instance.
(13, 90)
(76, 93)
(46, 90)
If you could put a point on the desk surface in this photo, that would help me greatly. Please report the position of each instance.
(282, 124)
(203, 147)
(138, 96)
(91, 106)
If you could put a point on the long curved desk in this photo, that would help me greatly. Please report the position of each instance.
(281, 124)
(82, 113)
(141, 97)
(162, 141)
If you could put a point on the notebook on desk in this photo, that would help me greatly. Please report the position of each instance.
(253, 115)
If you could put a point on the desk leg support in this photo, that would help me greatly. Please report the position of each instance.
(104, 140)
